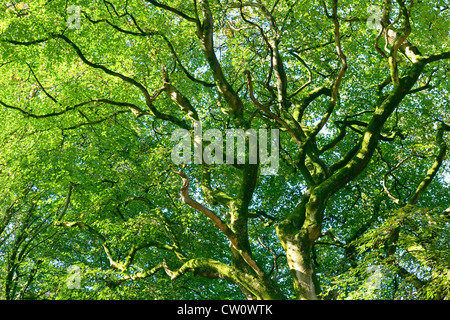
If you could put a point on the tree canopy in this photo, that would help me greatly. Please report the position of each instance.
(93, 207)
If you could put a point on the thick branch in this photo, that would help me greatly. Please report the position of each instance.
(142, 275)
(205, 32)
(185, 197)
(214, 196)
(437, 57)
(306, 101)
(224, 271)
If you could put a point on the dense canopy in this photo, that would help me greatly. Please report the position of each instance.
(92, 205)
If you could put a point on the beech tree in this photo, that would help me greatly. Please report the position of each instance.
(92, 205)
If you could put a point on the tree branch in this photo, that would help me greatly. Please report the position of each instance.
(173, 10)
(148, 98)
(436, 57)
(262, 107)
(205, 33)
(307, 83)
(185, 197)
(342, 71)
(434, 169)
(179, 99)
(143, 33)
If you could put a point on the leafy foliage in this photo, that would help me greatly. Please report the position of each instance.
(87, 180)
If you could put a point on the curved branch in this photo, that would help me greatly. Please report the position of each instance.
(213, 196)
(185, 71)
(434, 169)
(185, 197)
(122, 266)
(335, 140)
(143, 33)
(179, 99)
(173, 10)
(54, 114)
(338, 80)
(205, 33)
(307, 83)
(389, 194)
(24, 43)
(141, 275)
(95, 233)
(222, 270)
(306, 101)
(140, 33)
(40, 85)
(148, 98)
(268, 112)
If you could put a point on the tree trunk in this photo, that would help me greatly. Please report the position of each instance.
(297, 235)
